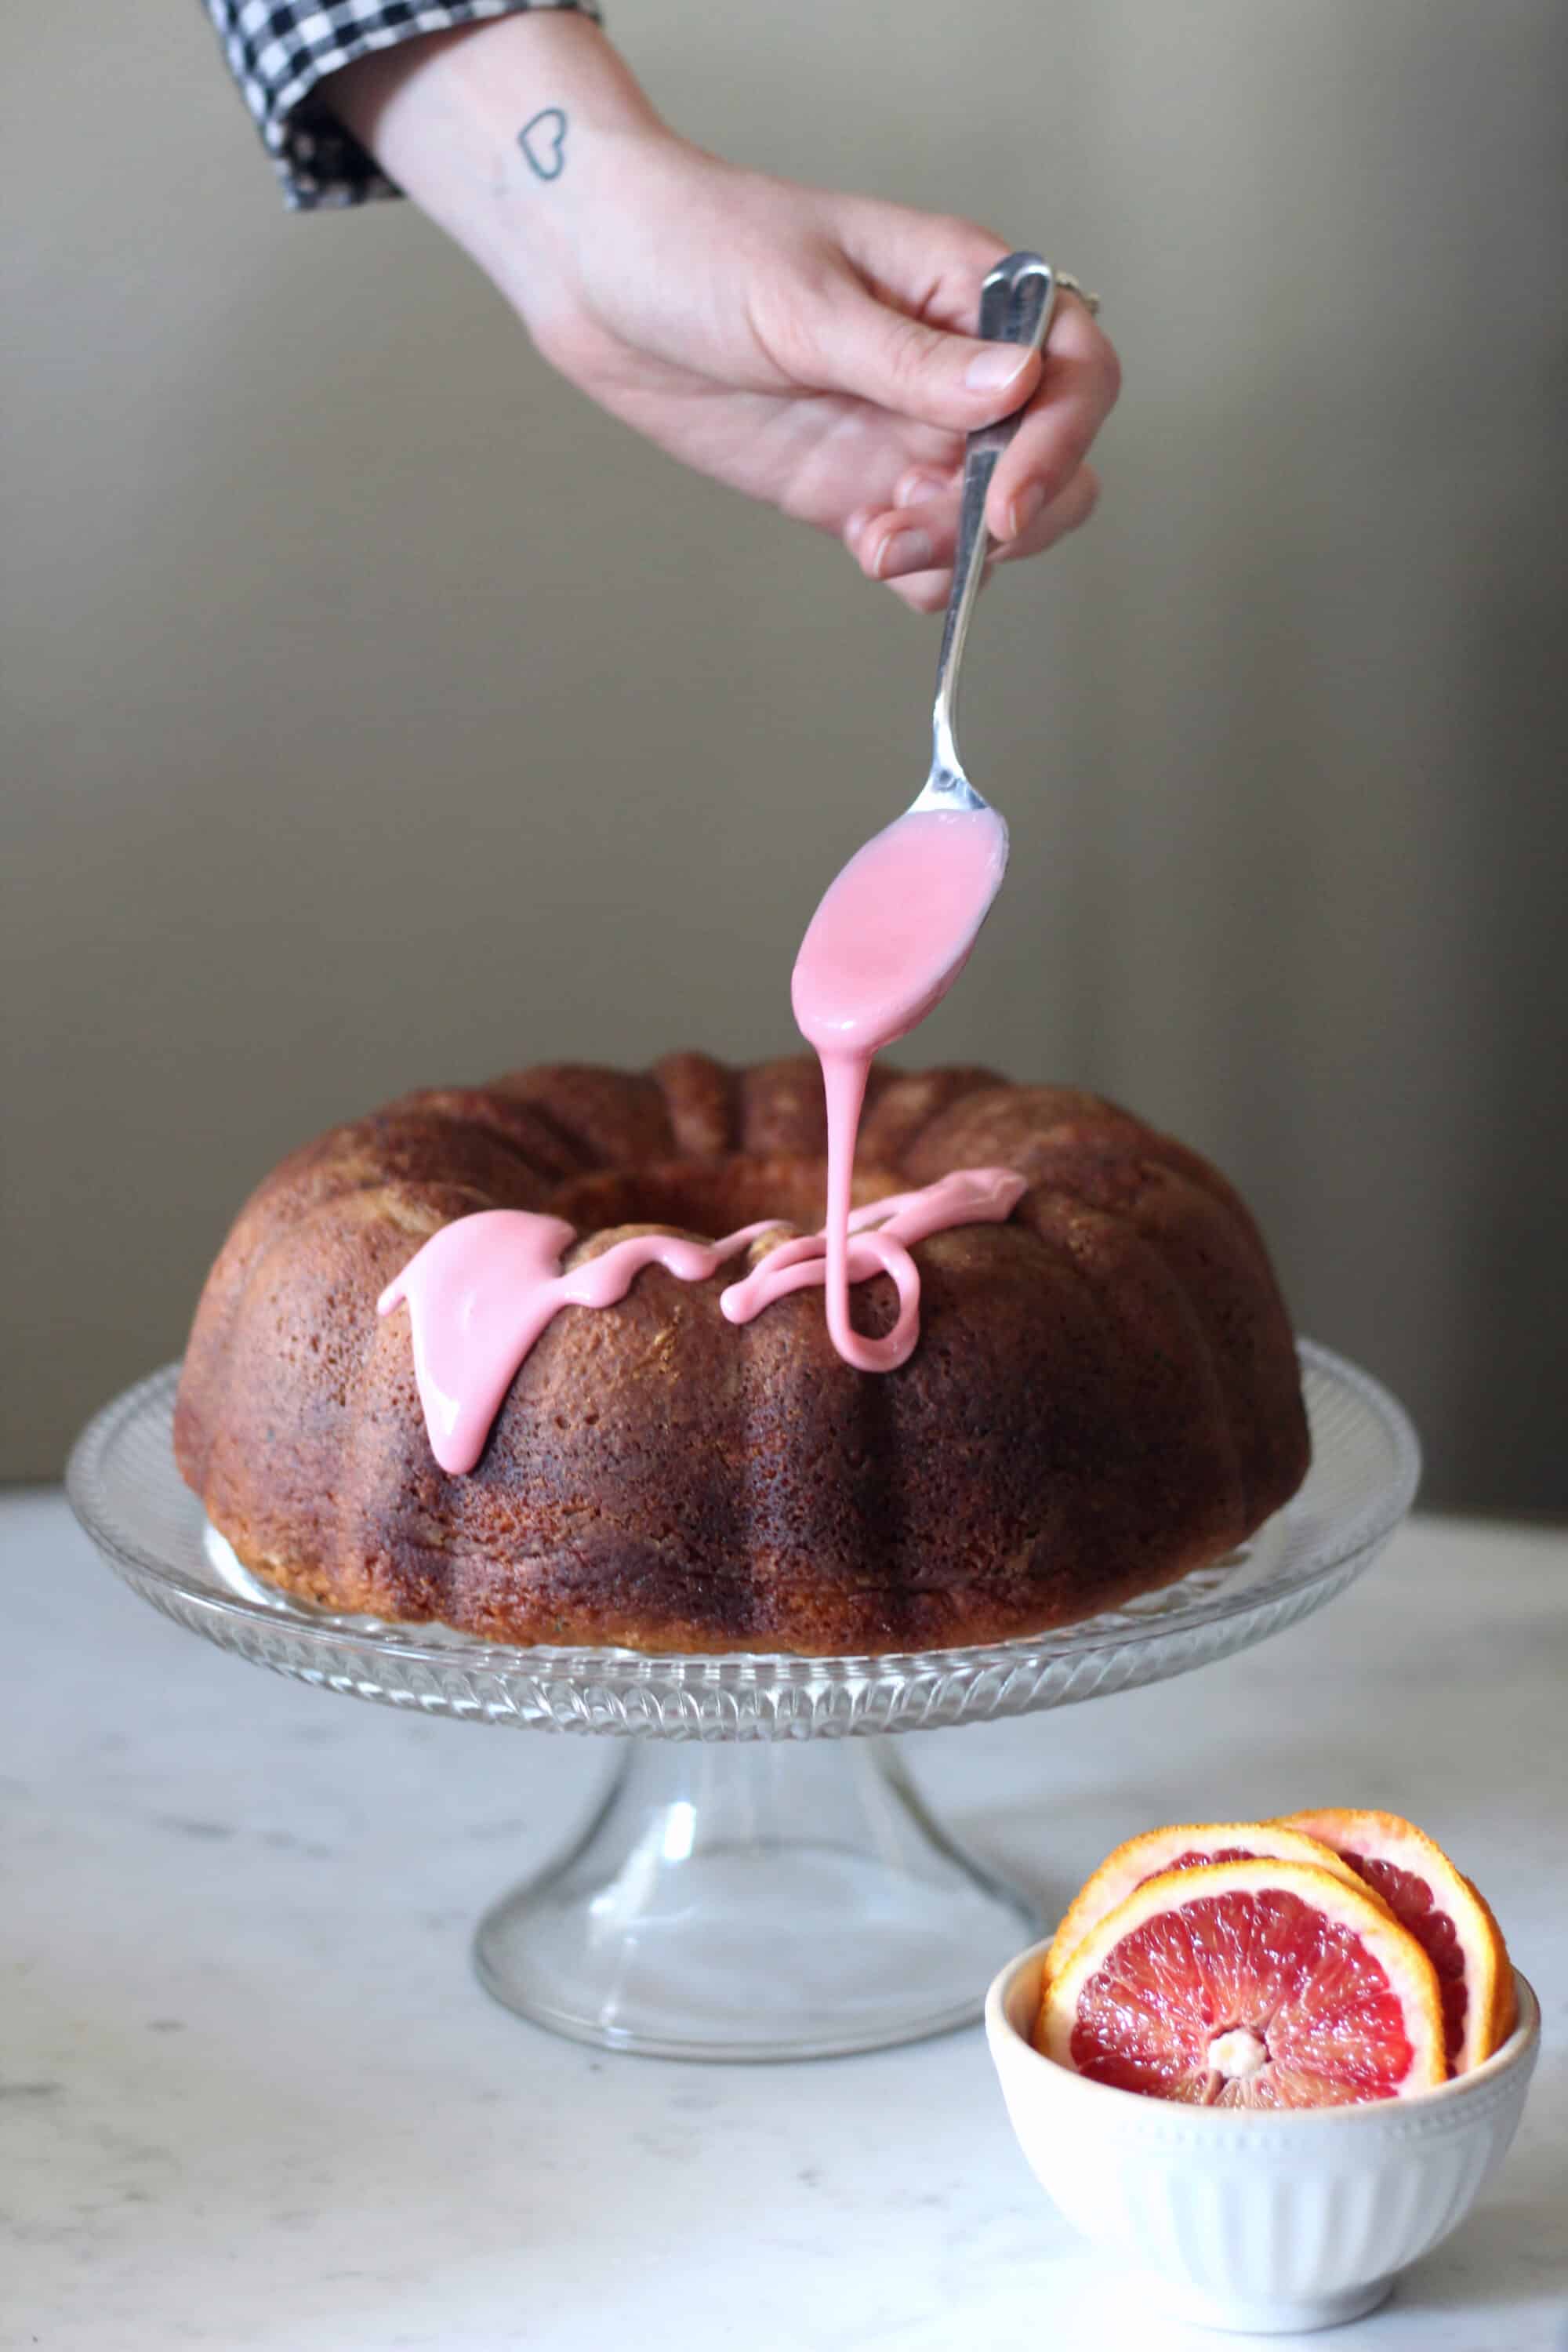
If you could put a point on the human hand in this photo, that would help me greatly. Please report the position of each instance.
(810, 348)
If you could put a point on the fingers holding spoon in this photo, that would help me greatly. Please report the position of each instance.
(911, 549)
(1042, 487)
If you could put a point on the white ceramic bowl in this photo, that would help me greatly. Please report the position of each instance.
(1260, 2222)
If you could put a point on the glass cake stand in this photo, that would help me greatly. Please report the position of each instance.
(757, 1882)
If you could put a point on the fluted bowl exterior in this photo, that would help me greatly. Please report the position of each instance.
(1263, 2222)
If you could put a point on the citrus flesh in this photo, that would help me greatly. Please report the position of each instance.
(1257, 1984)
(1182, 1846)
(1448, 1917)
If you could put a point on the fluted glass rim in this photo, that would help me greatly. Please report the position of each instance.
(1205, 1616)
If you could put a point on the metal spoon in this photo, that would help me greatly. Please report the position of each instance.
(895, 930)
(1016, 301)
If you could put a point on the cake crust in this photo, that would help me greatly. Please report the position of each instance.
(1105, 1394)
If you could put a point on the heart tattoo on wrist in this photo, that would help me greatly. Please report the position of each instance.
(542, 140)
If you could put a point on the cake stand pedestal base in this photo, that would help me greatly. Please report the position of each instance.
(762, 1899)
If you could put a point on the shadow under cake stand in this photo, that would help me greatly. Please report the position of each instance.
(757, 1882)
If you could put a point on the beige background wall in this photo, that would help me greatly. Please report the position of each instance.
(376, 712)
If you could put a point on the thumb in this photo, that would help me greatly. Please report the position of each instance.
(867, 347)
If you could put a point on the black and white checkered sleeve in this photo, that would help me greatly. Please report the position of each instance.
(280, 51)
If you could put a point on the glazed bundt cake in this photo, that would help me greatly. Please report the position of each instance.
(1105, 1394)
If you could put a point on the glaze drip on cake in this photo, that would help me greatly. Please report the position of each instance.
(890, 938)
(483, 1289)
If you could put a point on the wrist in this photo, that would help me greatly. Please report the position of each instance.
(504, 133)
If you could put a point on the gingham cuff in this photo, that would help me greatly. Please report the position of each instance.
(278, 50)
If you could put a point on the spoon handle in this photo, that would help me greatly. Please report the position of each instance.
(1016, 305)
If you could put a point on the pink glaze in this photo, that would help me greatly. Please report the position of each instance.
(894, 931)
(480, 1290)
(877, 1240)
(890, 937)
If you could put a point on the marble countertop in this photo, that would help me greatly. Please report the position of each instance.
(252, 2099)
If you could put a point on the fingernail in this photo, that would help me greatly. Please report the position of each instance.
(855, 525)
(907, 551)
(915, 489)
(1028, 503)
(994, 368)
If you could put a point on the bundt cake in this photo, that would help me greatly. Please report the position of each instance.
(1104, 1395)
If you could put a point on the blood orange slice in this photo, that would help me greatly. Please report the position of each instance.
(1446, 1916)
(1185, 1846)
(1249, 1984)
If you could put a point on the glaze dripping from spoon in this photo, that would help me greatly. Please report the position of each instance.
(896, 928)
(890, 938)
